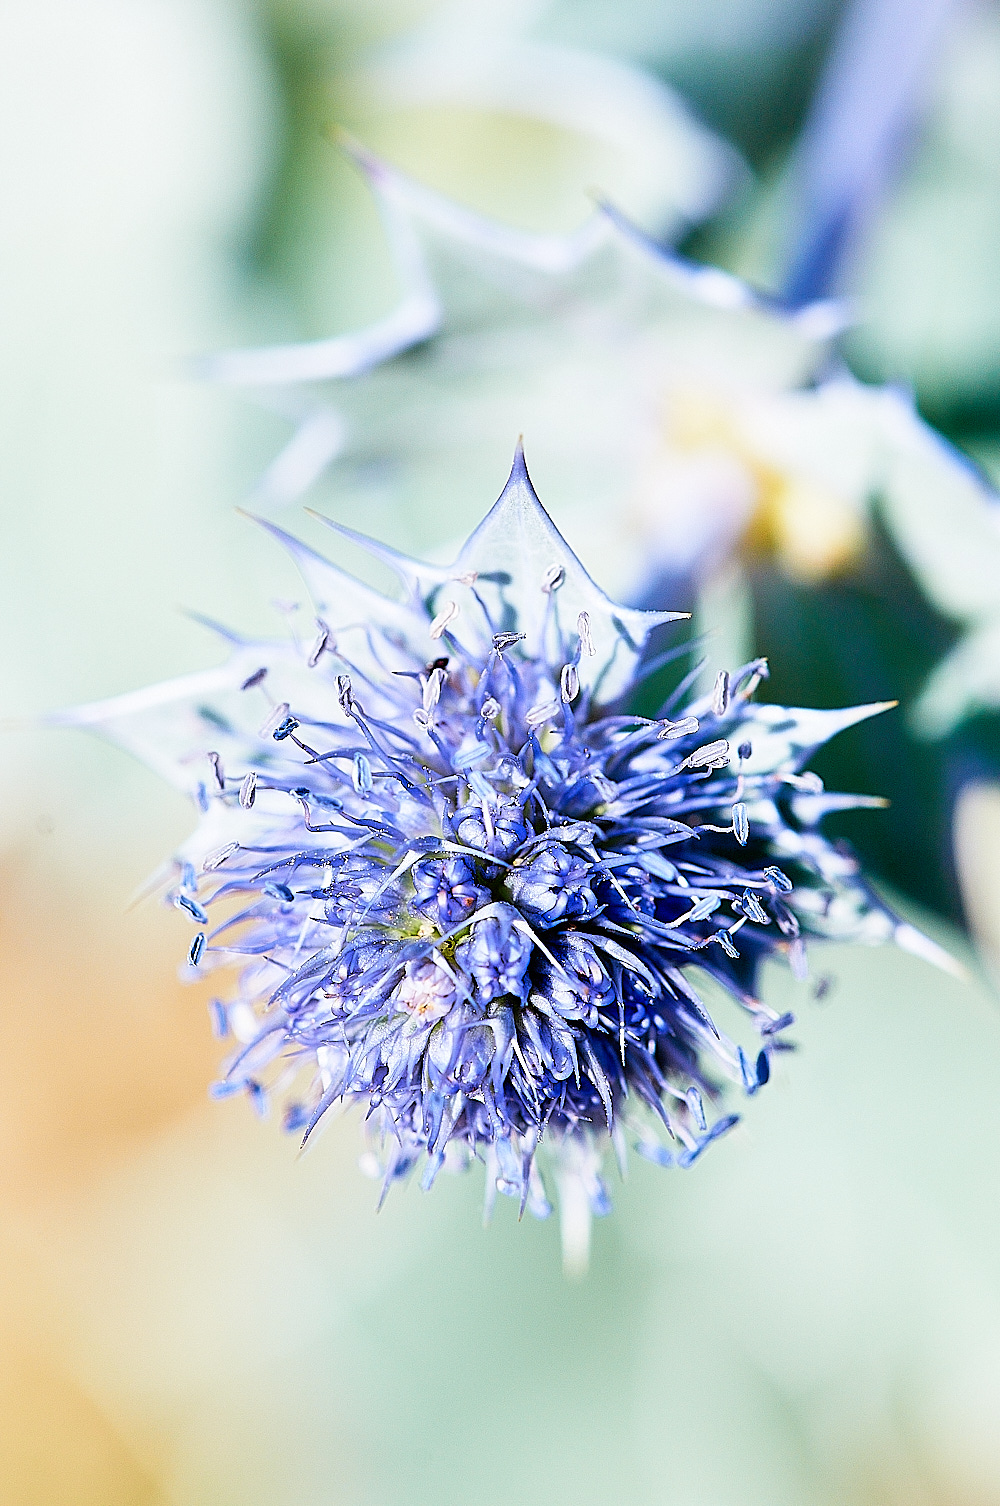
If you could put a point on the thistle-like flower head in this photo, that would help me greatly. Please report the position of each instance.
(468, 890)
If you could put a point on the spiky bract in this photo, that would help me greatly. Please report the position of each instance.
(469, 890)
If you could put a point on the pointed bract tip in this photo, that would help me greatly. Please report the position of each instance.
(519, 469)
(218, 628)
(873, 708)
(295, 547)
(917, 944)
(852, 715)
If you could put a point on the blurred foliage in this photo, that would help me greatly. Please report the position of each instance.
(521, 148)
(865, 633)
(927, 275)
(868, 634)
(188, 1313)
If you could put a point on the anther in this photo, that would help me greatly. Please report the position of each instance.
(703, 908)
(322, 643)
(539, 714)
(754, 910)
(277, 716)
(447, 614)
(217, 858)
(720, 695)
(196, 911)
(714, 755)
(362, 774)
(684, 728)
(432, 689)
(504, 641)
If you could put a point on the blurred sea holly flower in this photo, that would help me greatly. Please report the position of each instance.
(693, 435)
(469, 889)
(718, 429)
(600, 344)
(468, 97)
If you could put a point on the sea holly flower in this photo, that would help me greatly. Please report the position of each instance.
(703, 445)
(686, 424)
(627, 366)
(469, 890)
(726, 427)
(538, 123)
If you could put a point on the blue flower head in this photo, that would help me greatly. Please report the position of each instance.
(468, 890)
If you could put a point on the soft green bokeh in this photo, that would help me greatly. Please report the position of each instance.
(190, 1314)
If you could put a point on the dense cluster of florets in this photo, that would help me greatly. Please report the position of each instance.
(505, 891)
(469, 890)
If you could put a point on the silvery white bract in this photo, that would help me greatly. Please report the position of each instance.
(585, 341)
(468, 890)
(678, 418)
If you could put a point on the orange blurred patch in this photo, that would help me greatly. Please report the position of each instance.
(57, 1447)
(101, 1044)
